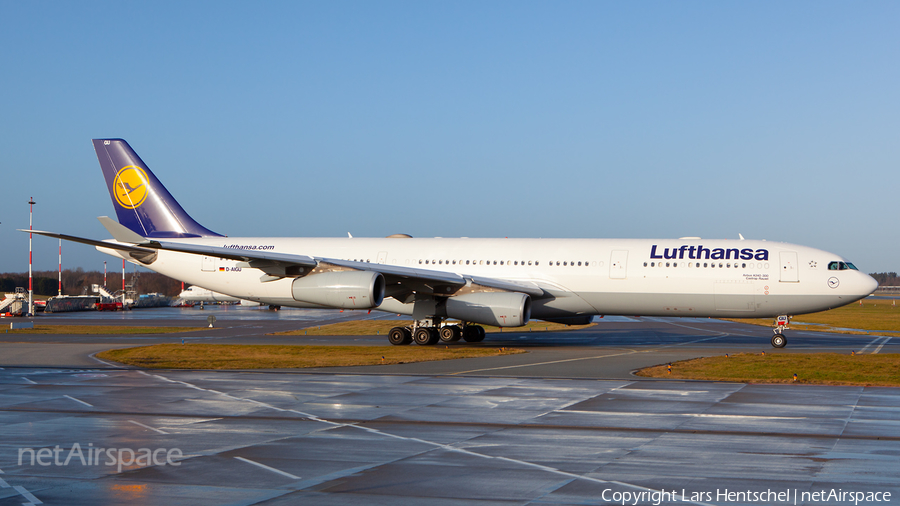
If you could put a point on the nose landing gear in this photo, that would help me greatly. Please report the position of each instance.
(781, 324)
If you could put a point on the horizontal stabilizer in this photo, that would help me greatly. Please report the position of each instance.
(93, 242)
(119, 232)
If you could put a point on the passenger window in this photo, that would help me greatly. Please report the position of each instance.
(579, 264)
(667, 264)
(652, 264)
(645, 264)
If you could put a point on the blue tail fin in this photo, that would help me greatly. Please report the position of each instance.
(142, 203)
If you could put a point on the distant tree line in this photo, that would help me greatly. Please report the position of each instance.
(78, 282)
(886, 278)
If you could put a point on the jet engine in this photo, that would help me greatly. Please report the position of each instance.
(502, 309)
(343, 289)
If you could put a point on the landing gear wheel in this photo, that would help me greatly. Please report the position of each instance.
(399, 336)
(779, 341)
(450, 334)
(474, 334)
(426, 336)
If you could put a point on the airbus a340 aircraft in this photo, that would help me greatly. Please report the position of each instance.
(502, 282)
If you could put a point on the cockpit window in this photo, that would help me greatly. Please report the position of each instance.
(841, 266)
(852, 266)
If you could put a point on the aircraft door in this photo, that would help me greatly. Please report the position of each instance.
(618, 264)
(208, 264)
(789, 271)
(382, 257)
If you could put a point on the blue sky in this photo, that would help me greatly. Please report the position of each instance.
(776, 120)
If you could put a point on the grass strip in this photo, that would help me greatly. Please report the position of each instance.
(879, 315)
(263, 356)
(382, 327)
(810, 368)
(101, 329)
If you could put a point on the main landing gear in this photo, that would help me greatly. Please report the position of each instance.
(429, 331)
(781, 324)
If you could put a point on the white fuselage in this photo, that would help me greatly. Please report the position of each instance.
(659, 277)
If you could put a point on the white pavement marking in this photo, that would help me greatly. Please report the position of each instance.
(688, 415)
(3, 483)
(872, 343)
(27, 495)
(631, 352)
(103, 361)
(267, 468)
(28, 380)
(148, 427)
(434, 444)
(880, 346)
(78, 401)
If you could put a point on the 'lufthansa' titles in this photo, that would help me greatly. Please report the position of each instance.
(701, 253)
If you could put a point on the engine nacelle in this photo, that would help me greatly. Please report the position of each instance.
(343, 289)
(501, 309)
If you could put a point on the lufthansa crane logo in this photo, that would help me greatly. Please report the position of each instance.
(130, 187)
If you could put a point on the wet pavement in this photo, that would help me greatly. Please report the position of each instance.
(296, 438)
(565, 423)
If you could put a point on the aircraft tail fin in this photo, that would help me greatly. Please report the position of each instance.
(141, 201)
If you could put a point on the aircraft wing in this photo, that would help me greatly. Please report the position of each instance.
(407, 279)
(401, 281)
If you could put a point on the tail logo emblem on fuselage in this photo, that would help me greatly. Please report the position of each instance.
(130, 187)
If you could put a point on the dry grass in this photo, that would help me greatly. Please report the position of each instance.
(382, 327)
(810, 368)
(873, 315)
(235, 356)
(101, 330)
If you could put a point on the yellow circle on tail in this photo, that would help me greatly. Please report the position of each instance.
(130, 187)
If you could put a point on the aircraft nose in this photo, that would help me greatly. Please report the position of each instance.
(869, 284)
